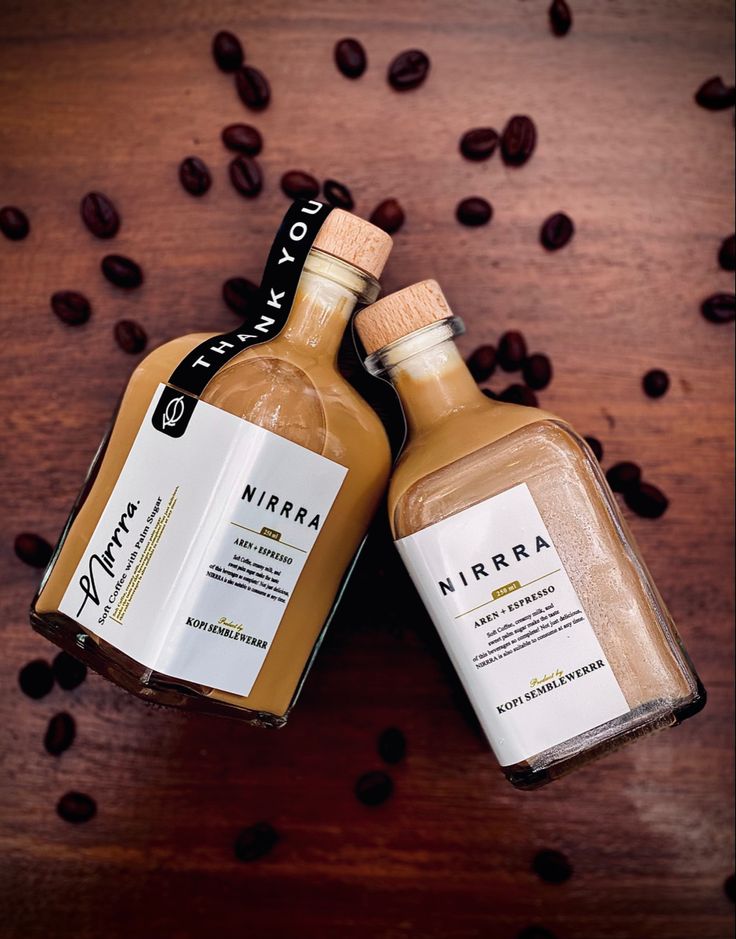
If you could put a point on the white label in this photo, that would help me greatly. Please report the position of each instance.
(513, 625)
(194, 559)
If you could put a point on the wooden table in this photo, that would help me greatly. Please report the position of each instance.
(112, 97)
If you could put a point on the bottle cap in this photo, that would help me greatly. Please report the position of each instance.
(355, 241)
(401, 313)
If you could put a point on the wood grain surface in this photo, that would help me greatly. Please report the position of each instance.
(106, 96)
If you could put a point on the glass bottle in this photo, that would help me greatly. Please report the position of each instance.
(516, 545)
(281, 424)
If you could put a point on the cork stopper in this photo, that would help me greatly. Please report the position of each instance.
(355, 241)
(401, 313)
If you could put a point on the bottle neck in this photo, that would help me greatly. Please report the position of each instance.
(430, 376)
(327, 294)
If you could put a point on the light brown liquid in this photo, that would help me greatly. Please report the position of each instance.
(290, 386)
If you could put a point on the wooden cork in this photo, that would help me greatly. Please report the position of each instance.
(355, 241)
(401, 313)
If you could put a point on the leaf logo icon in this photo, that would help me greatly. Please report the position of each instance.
(173, 413)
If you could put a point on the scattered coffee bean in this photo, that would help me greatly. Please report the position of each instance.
(655, 383)
(511, 351)
(227, 51)
(519, 394)
(99, 215)
(299, 185)
(255, 842)
(240, 295)
(552, 867)
(392, 745)
(71, 307)
(33, 549)
(535, 932)
(537, 371)
(727, 253)
(122, 271)
(719, 308)
(350, 58)
(474, 211)
(76, 807)
(518, 140)
(253, 88)
(194, 176)
(130, 336)
(408, 70)
(479, 143)
(715, 96)
(374, 788)
(596, 446)
(338, 195)
(623, 476)
(68, 671)
(482, 362)
(646, 500)
(560, 17)
(36, 679)
(14, 223)
(388, 215)
(246, 176)
(60, 733)
(556, 231)
(729, 887)
(242, 138)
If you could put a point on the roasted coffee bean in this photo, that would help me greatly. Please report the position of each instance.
(68, 671)
(727, 253)
(32, 549)
(255, 841)
(76, 807)
(535, 932)
(560, 17)
(388, 215)
(408, 70)
(511, 351)
(36, 679)
(99, 215)
(60, 733)
(338, 195)
(350, 58)
(518, 140)
(474, 211)
(194, 176)
(14, 223)
(71, 307)
(552, 867)
(246, 176)
(719, 308)
(122, 271)
(537, 371)
(714, 95)
(623, 476)
(556, 231)
(299, 185)
(482, 362)
(227, 51)
(655, 383)
(596, 446)
(374, 788)
(490, 394)
(392, 745)
(253, 88)
(479, 143)
(519, 394)
(646, 500)
(240, 295)
(130, 336)
(242, 138)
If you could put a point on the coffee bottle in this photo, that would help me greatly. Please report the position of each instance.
(516, 546)
(203, 558)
